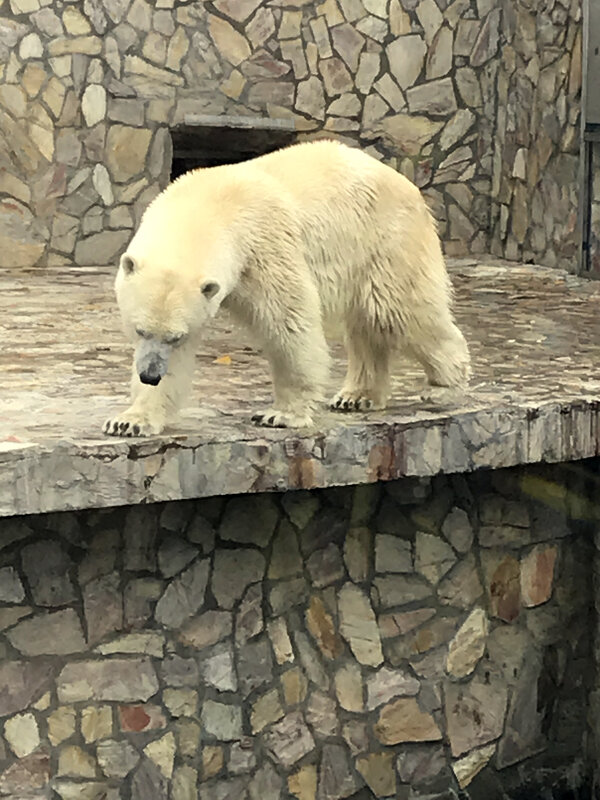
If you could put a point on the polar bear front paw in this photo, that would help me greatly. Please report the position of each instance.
(351, 401)
(271, 418)
(133, 423)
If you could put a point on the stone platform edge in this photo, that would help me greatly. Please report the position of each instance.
(74, 475)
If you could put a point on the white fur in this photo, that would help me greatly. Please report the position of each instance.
(314, 233)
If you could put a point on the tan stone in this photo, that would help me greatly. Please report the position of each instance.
(162, 753)
(74, 21)
(289, 27)
(212, 761)
(310, 98)
(293, 50)
(320, 33)
(406, 56)
(399, 19)
(61, 724)
(178, 47)
(20, 245)
(265, 710)
(537, 575)
(76, 763)
(135, 65)
(378, 771)
(54, 96)
(348, 687)
(503, 583)
(87, 45)
(22, 734)
(471, 765)
(280, 640)
(408, 134)
(96, 723)
(468, 645)
(34, 76)
(303, 783)
(397, 624)
(295, 685)
(358, 625)
(321, 626)
(126, 150)
(10, 184)
(336, 77)
(403, 721)
(181, 702)
(230, 44)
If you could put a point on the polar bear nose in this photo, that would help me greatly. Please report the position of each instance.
(153, 379)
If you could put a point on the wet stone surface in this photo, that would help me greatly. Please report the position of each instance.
(65, 367)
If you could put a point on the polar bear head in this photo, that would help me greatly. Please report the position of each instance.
(161, 309)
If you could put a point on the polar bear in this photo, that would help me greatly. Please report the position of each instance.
(288, 241)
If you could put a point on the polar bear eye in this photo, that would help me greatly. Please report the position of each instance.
(143, 334)
(174, 339)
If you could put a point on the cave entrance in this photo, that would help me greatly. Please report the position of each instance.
(209, 141)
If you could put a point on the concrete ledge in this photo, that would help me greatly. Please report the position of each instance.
(65, 366)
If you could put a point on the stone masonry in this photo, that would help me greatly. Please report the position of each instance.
(439, 90)
(414, 639)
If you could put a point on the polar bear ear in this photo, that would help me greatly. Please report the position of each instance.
(128, 264)
(209, 289)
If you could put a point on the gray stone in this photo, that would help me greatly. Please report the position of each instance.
(22, 683)
(300, 506)
(184, 596)
(336, 77)
(207, 629)
(148, 781)
(249, 520)
(287, 594)
(433, 556)
(289, 740)
(523, 735)
(385, 684)
(357, 552)
(392, 554)
(285, 554)
(457, 527)
(358, 625)
(436, 98)
(368, 69)
(475, 712)
(374, 28)
(116, 759)
(174, 554)
(486, 45)
(325, 566)
(178, 671)
(233, 572)
(310, 98)
(249, 620)
(118, 679)
(254, 665)
(321, 715)
(140, 597)
(266, 784)
(439, 55)
(217, 669)
(430, 17)
(229, 789)
(336, 778)
(421, 763)
(348, 43)
(103, 607)
(311, 661)
(101, 248)
(398, 590)
(46, 567)
(54, 633)
(406, 56)
(461, 587)
(222, 721)
(11, 588)
(241, 759)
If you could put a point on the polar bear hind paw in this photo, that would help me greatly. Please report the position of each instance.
(132, 424)
(271, 418)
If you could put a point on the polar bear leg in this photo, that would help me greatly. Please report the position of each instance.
(444, 354)
(154, 407)
(367, 382)
(299, 367)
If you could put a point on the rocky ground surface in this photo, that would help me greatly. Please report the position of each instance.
(65, 366)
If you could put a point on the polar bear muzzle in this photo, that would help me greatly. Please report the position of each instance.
(152, 361)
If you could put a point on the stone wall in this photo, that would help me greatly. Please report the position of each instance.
(401, 640)
(89, 91)
(536, 157)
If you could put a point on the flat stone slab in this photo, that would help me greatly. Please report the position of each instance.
(535, 341)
